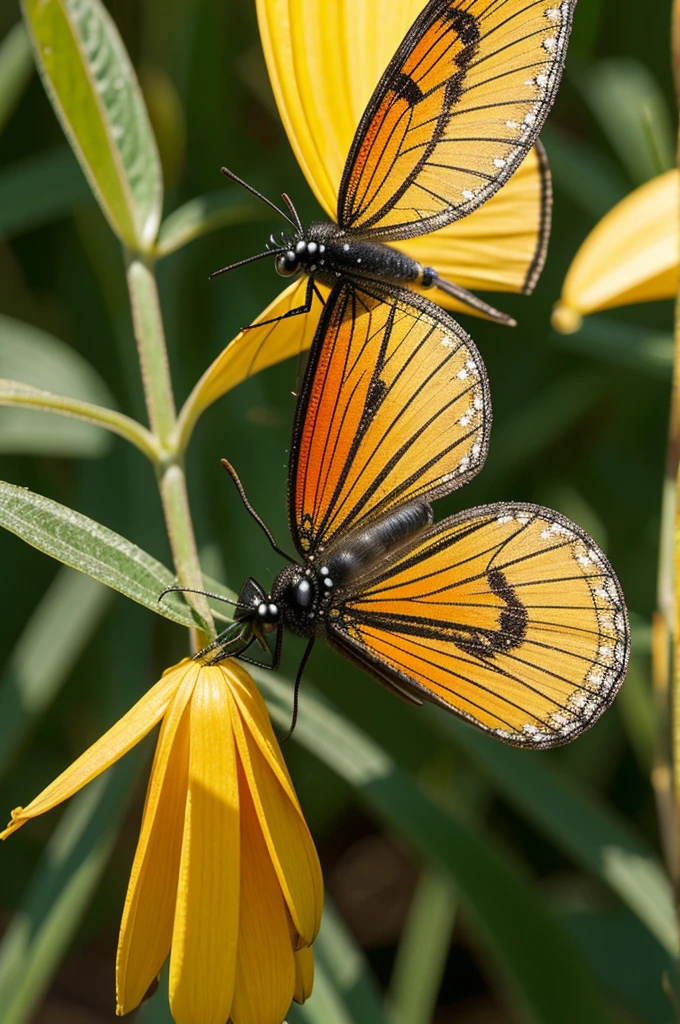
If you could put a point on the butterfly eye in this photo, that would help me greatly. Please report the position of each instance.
(287, 264)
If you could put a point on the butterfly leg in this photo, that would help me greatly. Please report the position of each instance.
(276, 656)
(297, 311)
(468, 298)
(296, 690)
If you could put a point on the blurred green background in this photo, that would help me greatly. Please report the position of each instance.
(580, 425)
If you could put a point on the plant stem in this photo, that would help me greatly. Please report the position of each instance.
(160, 403)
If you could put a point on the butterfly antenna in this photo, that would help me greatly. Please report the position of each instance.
(296, 216)
(296, 690)
(205, 593)
(253, 191)
(251, 511)
(242, 263)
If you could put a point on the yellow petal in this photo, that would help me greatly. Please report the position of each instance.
(254, 350)
(632, 255)
(265, 972)
(290, 845)
(120, 738)
(204, 940)
(146, 928)
(304, 974)
(324, 61)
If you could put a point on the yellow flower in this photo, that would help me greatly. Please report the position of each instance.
(225, 878)
(324, 61)
(632, 255)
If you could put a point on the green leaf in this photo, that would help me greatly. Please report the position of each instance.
(94, 91)
(39, 190)
(631, 109)
(16, 68)
(64, 881)
(494, 895)
(624, 344)
(202, 215)
(46, 652)
(86, 545)
(423, 949)
(34, 357)
(583, 827)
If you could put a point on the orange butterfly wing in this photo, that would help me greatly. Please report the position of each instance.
(456, 112)
(508, 615)
(394, 406)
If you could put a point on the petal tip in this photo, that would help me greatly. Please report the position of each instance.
(14, 823)
(566, 320)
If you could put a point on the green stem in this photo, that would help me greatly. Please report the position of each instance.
(13, 393)
(160, 403)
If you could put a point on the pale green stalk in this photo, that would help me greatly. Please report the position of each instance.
(160, 403)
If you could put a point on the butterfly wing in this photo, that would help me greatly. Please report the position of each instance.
(456, 112)
(508, 615)
(394, 406)
(502, 246)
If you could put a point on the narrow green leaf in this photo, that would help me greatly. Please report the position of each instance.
(70, 869)
(202, 215)
(624, 344)
(582, 826)
(34, 357)
(49, 647)
(39, 190)
(94, 91)
(495, 897)
(631, 109)
(16, 67)
(83, 544)
(421, 957)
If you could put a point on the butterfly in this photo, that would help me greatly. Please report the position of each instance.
(456, 112)
(508, 615)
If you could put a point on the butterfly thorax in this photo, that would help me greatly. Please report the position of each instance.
(304, 594)
(327, 253)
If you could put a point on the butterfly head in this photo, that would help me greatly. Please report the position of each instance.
(305, 251)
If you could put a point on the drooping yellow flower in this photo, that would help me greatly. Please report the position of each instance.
(225, 879)
(324, 61)
(632, 255)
